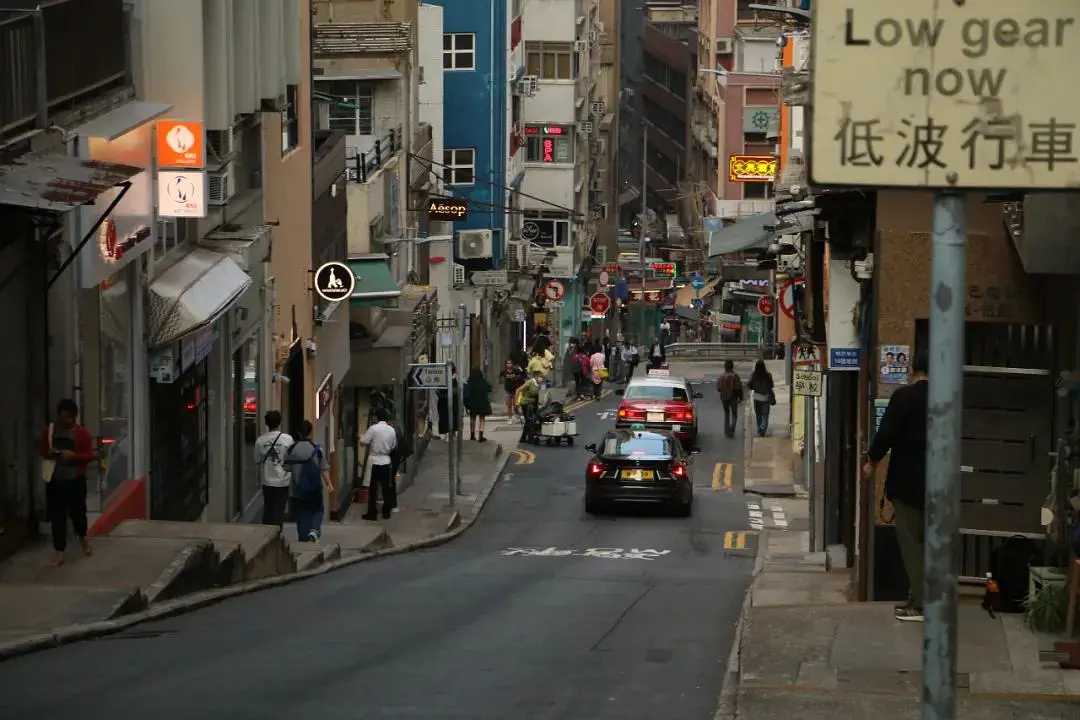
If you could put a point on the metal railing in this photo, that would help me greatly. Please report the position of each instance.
(723, 351)
(363, 164)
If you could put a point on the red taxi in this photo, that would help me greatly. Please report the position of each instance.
(660, 403)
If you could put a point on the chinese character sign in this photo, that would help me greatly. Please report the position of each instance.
(894, 364)
(965, 95)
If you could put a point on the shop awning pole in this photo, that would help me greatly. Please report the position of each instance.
(124, 187)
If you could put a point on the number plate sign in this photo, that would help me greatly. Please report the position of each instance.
(964, 94)
(806, 382)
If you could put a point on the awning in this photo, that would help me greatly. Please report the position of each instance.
(374, 283)
(122, 120)
(754, 231)
(192, 294)
(58, 183)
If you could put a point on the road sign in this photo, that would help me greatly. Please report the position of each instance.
(697, 282)
(604, 278)
(334, 282)
(806, 382)
(965, 95)
(844, 358)
(806, 356)
(766, 306)
(697, 303)
(599, 303)
(430, 376)
(554, 290)
(786, 297)
(490, 278)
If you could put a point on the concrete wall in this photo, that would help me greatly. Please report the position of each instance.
(550, 20)
(757, 56)
(553, 103)
(431, 91)
(554, 184)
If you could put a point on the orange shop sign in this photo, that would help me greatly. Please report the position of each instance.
(752, 168)
(180, 144)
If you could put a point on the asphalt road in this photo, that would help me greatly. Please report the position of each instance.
(500, 623)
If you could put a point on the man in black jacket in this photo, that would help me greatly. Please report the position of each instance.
(903, 434)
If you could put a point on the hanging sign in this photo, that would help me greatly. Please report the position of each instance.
(599, 303)
(335, 282)
(554, 290)
(180, 144)
(182, 193)
(752, 168)
(447, 209)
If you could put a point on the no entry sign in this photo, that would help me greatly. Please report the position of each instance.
(599, 304)
(765, 306)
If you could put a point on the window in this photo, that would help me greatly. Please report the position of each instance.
(290, 123)
(665, 75)
(459, 51)
(350, 106)
(550, 61)
(656, 392)
(546, 229)
(625, 444)
(752, 190)
(460, 166)
(549, 144)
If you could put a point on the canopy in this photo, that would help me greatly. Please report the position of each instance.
(374, 283)
(753, 231)
(192, 294)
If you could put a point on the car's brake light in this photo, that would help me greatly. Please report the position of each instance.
(679, 413)
(678, 470)
(630, 413)
(595, 470)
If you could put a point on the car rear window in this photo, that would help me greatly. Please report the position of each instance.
(655, 392)
(630, 445)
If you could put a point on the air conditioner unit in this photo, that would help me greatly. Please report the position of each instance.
(580, 45)
(474, 244)
(514, 252)
(599, 146)
(459, 275)
(221, 184)
(586, 127)
(221, 146)
(594, 37)
(528, 85)
(597, 184)
(725, 46)
(599, 108)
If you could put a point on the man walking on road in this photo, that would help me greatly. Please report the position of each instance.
(270, 451)
(903, 434)
(381, 441)
(731, 395)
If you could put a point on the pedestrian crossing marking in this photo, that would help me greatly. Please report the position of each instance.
(523, 457)
(723, 476)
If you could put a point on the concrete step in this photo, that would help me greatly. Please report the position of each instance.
(27, 609)
(247, 551)
(309, 555)
(350, 538)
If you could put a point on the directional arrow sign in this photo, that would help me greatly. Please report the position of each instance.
(427, 377)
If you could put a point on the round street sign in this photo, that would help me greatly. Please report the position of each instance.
(599, 303)
(765, 306)
(604, 278)
(554, 290)
(786, 298)
(697, 282)
(334, 282)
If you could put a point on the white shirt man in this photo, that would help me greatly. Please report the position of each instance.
(381, 440)
(270, 450)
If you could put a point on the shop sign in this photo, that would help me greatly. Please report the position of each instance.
(752, 168)
(964, 95)
(663, 268)
(844, 358)
(554, 290)
(334, 282)
(490, 278)
(806, 383)
(112, 249)
(760, 119)
(181, 194)
(196, 347)
(324, 395)
(163, 366)
(180, 144)
(448, 209)
(728, 324)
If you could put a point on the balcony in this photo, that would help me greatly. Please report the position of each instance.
(367, 162)
(77, 60)
(422, 147)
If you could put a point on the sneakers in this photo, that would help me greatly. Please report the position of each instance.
(313, 536)
(909, 614)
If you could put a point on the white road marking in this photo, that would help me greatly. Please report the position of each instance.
(601, 553)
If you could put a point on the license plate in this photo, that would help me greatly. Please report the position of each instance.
(655, 417)
(637, 474)
(676, 428)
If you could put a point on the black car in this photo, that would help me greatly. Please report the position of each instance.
(638, 465)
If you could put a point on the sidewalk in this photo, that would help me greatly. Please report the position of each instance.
(770, 462)
(805, 649)
(147, 569)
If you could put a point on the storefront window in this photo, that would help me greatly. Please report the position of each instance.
(245, 388)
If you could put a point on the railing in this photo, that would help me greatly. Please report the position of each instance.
(723, 351)
(363, 164)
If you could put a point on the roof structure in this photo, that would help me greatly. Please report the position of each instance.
(362, 38)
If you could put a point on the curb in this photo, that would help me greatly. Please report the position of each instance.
(73, 633)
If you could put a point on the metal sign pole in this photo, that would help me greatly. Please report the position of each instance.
(947, 294)
(462, 348)
(809, 460)
(450, 435)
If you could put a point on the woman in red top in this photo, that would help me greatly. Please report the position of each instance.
(69, 445)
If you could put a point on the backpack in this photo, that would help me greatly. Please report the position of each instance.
(309, 483)
(730, 387)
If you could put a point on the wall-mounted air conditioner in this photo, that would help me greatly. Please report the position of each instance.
(580, 46)
(528, 85)
(474, 244)
(725, 46)
(221, 184)
(598, 108)
(586, 127)
(459, 275)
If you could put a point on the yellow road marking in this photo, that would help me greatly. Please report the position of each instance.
(735, 540)
(722, 476)
(523, 457)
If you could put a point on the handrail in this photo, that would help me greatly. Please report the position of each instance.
(722, 350)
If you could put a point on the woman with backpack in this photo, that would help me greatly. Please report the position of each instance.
(761, 385)
(477, 402)
(310, 474)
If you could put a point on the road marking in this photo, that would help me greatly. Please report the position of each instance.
(523, 457)
(598, 553)
(605, 414)
(582, 403)
(723, 476)
(736, 540)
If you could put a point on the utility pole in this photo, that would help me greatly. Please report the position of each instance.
(461, 349)
(644, 202)
(944, 406)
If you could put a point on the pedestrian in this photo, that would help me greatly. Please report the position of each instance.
(731, 395)
(761, 385)
(657, 354)
(528, 399)
(536, 362)
(583, 370)
(270, 450)
(902, 436)
(66, 449)
(598, 370)
(382, 441)
(569, 367)
(477, 402)
(607, 351)
(631, 358)
(310, 475)
(512, 376)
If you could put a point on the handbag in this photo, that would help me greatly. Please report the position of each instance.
(603, 373)
(772, 397)
(48, 464)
